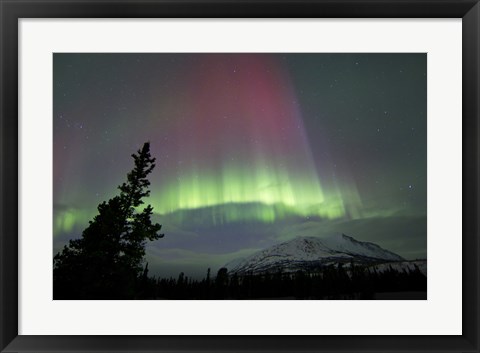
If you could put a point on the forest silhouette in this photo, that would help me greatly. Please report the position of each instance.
(328, 282)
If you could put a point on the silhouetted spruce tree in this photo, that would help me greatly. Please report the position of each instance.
(106, 262)
(221, 283)
(207, 285)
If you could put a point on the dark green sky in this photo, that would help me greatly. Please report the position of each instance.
(373, 110)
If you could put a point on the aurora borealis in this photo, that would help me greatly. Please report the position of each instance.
(251, 149)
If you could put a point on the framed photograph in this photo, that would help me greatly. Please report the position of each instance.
(232, 176)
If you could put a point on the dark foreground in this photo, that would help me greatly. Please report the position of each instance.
(328, 283)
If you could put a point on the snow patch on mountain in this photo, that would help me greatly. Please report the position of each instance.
(310, 252)
(408, 266)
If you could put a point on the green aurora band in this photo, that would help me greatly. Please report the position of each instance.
(240, 152)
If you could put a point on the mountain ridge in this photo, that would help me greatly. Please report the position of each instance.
(307, 253)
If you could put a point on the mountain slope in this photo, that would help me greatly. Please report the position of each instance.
(311, 252)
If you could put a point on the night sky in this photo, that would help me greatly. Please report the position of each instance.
(251, 149)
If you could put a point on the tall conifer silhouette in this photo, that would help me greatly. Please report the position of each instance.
(107, 261)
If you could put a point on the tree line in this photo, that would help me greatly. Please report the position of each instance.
(330, 282)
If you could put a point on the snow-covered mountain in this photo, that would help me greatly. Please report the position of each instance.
(312, 252)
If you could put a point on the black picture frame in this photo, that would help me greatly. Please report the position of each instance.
(12, 10)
